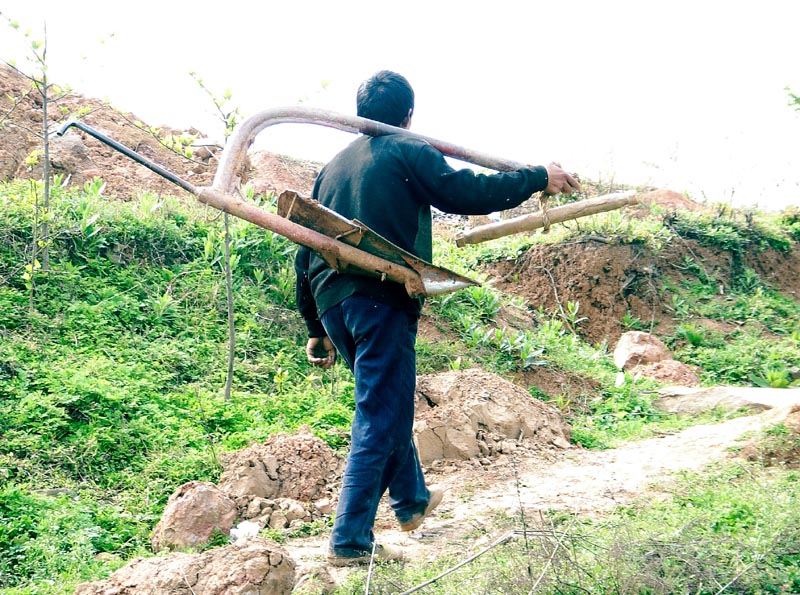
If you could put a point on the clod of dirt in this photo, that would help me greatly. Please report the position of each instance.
(193, 514)
(247, 567)
(298, 466)
(471, 413)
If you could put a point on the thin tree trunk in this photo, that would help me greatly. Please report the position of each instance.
(34, 244)
(46, 176)
(582, 208)
(231, 322)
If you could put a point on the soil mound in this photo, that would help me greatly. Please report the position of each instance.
(78, 157)
(297, 466)
(610, 281)
(242, 568)
(471, 414)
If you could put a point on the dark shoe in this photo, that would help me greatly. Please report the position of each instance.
(383, 553)
(437, 493)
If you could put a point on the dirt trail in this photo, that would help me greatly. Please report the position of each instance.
(581, 481)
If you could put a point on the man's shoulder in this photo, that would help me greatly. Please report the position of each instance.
(404, 146)
(374, 150)
(404, 140)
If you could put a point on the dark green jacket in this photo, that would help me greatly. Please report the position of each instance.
(389, 183)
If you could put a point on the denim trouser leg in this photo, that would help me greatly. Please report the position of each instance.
(377, 342)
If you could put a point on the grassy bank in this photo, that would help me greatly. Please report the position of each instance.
(113, 362)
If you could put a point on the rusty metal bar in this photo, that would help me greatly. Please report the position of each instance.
(338, 254)
(239, 142)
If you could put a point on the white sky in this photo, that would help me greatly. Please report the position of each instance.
(688, 95)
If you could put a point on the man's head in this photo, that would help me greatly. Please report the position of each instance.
(386, 97)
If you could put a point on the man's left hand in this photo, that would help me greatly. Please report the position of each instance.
(321, 352)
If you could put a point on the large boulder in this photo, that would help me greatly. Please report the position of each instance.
(637, 348)
(641, 353)
(248, 567)
(193, 514)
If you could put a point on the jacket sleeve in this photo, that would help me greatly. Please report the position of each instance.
(303, 296)
(465, 192)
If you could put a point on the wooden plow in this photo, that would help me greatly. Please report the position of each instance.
(345, 244)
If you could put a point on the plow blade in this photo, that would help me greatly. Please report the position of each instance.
(312, 215)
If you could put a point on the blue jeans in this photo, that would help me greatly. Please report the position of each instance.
(378, 343)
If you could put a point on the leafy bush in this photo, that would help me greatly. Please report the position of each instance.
(111, 369)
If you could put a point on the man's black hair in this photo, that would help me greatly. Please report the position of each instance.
(386, 97)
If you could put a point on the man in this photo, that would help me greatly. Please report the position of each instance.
(389, 183)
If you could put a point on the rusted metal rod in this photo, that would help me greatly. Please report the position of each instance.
(239, 142)
(338, 253)
(591, 206)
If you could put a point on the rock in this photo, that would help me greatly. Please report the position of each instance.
(324, 506)
(314, 579)
(193, 514)
(258, 506)
(636, 348)
(689, 401)
(250, 476)
(278, 520)
(252, 566)
(643, 354)
(295, 511)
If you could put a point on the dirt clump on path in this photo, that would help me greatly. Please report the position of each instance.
(472, 414)
(245, 567)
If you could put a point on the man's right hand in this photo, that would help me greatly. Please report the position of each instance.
(559, 181)
(321, 352)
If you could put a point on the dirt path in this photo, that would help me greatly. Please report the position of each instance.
(582, 481)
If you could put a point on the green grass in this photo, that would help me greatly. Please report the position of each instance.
(113, 362)
(112, 366)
